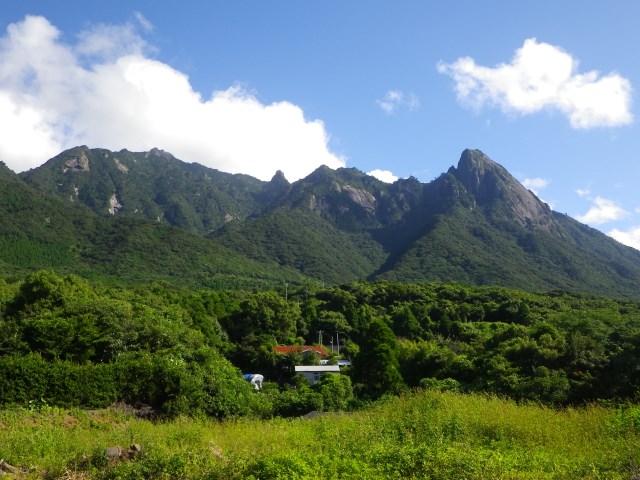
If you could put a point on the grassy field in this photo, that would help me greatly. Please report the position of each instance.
(423, 435)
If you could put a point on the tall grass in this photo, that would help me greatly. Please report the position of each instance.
(437, 435)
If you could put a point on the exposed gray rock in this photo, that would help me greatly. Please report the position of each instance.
(489, 182)
(114, 205)
(362, 197)
(5, 468)
(113, 452)
(121, 166)
(117, 453)
(77, 164)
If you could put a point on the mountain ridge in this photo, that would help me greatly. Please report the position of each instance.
(475, 223)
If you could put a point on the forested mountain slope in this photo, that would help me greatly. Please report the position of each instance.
(40, 230)
(473, 224)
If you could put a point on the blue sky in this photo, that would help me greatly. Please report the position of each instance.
(545, 88)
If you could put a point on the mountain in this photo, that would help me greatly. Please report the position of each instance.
(488, 229)
(41, 230)
(474, 224)
(150, 185)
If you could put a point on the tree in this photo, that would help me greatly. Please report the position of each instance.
(336, 391)
(405, 323)
(376, 366)
(266, 313)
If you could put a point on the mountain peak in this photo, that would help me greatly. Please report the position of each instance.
(277, 187)
(493, 187)
(478, 173)
(279, 178)
(474, 158)
(161, 153)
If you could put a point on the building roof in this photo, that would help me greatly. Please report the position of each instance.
(317, 368)
(285, 349)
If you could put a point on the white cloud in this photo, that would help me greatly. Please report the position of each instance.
(146, 25)
(542, 76)
(535, 184)
(394, 100)
(631, 238)
(602, 211)
(51, 98)
(108, 42)
(582, 192)
(383, 175)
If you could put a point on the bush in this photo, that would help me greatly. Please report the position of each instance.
(446, 384)
(297, 402)
(29, 378)
(197, 382)
(336, 391)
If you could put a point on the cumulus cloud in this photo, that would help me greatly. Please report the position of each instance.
(582, 192)
(108, 42)
(395, 100)
(106, 91)
(631, 237)
(543, 76)
(535, 184)
(383, 175)
(602, 211)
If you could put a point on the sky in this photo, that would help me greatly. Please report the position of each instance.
(547, 89)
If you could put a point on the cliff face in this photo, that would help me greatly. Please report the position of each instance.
(492, 187)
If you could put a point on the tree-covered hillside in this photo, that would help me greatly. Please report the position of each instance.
(150, 185)
(41, 231)
(66, 342)
(148, 215)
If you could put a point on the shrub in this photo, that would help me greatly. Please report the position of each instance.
(446, 384)
(29, 378)
(336, 391)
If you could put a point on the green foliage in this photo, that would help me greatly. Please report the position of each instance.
(30, 379)
(447, 384)
(266, 313)
(297, 402)
(192, 225)
(433, 434)
(170, 347)
(336, 391)
(376, 366)
(65, 344)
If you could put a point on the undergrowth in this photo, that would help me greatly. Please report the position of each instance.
(436, 435)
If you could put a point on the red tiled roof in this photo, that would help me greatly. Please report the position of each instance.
(284, 349)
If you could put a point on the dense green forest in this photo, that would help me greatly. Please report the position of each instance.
(67, 342)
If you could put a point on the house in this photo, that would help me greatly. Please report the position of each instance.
(340, 362)
(303, 349)
(314, 372)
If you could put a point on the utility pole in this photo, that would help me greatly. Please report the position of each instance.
(320, 337)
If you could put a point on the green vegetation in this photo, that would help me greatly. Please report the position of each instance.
(67, 343)
(448, 381)
(438, 435)
(138, 217)
(157, 310)
(152, 186)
